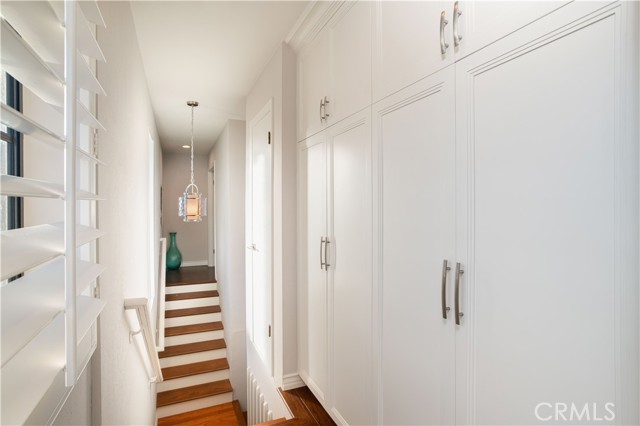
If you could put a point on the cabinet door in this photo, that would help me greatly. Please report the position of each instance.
(314, 359)
(547, 197)
(350, 74)
(350, 271)
(484, 22)
(414, 139)
(407, 43)
(313, 85)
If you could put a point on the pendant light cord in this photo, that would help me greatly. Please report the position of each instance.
(192, 145)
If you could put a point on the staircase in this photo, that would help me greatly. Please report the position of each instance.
(196, 389)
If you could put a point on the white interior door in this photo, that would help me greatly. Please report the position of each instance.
(260, 241)
(349, 255)
(414, 137)
(315, 285)
(544, 206)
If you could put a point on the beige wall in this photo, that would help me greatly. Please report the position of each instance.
(227, 158)
(121, 391)
(191, 237)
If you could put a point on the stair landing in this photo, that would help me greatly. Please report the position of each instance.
(191, 275)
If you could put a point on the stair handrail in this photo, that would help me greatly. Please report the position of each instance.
(140, 306)
(162, 280)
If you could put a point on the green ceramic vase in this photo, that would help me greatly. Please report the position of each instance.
(174, 257)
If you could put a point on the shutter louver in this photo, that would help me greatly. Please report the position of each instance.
(49, 313)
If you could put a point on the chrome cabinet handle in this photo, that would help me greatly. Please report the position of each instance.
(456, 25)
(326, 102)
(443, 23)
(445, 308)
(321, 110)
(326, 244)
(321, 261)
(459, 271)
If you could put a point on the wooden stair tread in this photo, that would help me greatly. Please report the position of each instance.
(174, 313)
(194, 368)
(218, 415)
(190, 295)
(190, 348)
(190, 393)
(192, 328)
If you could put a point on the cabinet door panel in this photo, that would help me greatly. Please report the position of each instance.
(415, 141)
(313, 85)
(350, 62)
(484, 22)
(350, 271)
(407, 43)
(316, 282)
(541, 213)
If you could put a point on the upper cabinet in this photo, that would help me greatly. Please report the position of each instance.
(334, 70)
(413, 40)
(480, 23)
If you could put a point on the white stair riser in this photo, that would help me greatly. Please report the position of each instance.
(196, 404)
(196, 379)
(192, 303)
(191, 358)
(192, 319)
(189, 288)
(191, 338)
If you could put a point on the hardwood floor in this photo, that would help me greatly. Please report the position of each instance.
(305, 408)
(191, 275)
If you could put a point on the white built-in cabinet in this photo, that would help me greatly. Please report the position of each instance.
(415, 156)
(414, 39)
(337, 298)
(500, 216)
(334, 72)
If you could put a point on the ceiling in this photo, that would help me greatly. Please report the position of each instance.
(208, 51)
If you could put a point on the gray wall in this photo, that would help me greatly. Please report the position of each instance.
(191, 237)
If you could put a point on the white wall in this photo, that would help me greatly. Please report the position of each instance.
(121, 391)
(227, 158)
(278, 82)
(191, 237)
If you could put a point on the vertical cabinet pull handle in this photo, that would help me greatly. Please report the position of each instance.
(324, 110)
(459, 271)
(443, 23)
(326, 263)
(445, 308)
(321, 250)
(456, 25)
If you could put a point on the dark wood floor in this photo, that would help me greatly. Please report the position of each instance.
(191, 275)
(305, 408)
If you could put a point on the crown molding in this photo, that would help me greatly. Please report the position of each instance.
(314, 18)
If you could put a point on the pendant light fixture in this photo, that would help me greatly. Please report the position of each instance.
(192, 206)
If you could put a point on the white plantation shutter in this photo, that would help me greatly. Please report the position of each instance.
(48, 315)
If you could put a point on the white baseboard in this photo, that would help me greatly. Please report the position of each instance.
(292, 381)
(195, 263)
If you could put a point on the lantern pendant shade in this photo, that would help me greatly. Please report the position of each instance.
(192, 206)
